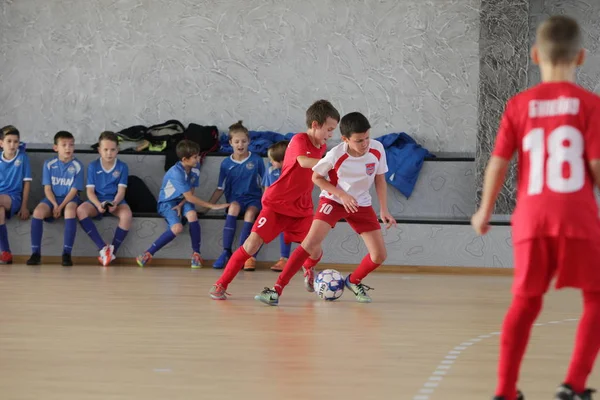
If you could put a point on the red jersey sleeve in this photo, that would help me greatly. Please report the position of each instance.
(592, 133)
(296, 148)
(506, 139)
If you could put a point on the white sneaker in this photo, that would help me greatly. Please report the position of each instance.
(107, 255)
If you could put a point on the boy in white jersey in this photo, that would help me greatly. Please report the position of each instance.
(352, 167)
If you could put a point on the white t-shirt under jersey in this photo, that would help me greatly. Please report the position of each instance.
(354, 175)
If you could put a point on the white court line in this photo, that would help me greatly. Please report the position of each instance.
(442, 369)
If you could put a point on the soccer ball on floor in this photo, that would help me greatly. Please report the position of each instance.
(329, 285)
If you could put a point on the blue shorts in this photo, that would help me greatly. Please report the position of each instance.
(166, 211)
(15, 205)
(59, 201)
(245, 203)
(99, 216)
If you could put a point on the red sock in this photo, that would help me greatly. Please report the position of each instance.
(292, 266)
(515, 334)
(364, 268)
(235, 264)
(310, 263)
(587, 343)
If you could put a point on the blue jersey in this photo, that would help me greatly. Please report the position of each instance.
(63, 176)
(242, 179)
(106, 182)
(13, 173)
(176, 182)
(271, 176)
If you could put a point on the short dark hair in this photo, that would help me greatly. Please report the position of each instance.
(276, 151)
(108, 135)
(187, 149)
(319, 111)
(9, 130)
(559, 39)
(354, 122)
(63, 135)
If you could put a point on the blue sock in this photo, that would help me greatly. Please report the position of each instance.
(229, 232)
(195, 235)
(284, 247)
(162, 241)
(70, 231)
(88, 226)
(37, 229)
(120, 235)
(4, 239)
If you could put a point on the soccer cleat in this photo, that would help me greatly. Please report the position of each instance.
(217, 292)
(35, 259)
(519, 397)
(197, 261)
(309, 279)
(250, 264)
(6, 258)
(359, 290)
(107, 255)
(279, 265)
(222, 260)
(268, 296)
(66, 260)
(566, 392)
(143, 259)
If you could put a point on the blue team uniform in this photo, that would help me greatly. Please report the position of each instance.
(241, 180)
(106, 183)
(13, 173)
(62, 177)
(175, 183)
(271, 176)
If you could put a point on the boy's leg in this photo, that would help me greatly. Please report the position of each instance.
(228, 234)
(85, 212)
(189, 210)
(587, 343)
(579, 270)
(41, 212)
(311, 245)
(70, 213)
(123, 212)
(249, 218)
(175, 227)
(266, 228)
(5, 211)
(535, 265)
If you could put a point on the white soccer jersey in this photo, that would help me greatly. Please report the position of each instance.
(354, 175)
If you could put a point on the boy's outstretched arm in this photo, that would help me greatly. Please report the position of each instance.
(381, 189)
(495, 172)
(307, 162)
(189, 196)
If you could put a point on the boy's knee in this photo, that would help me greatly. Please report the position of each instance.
(38, 213)
(82, 213)
(234, 208)
(253, 243)
(379, 258)
(177, 229)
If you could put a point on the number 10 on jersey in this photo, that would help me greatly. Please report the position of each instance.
(564, 149)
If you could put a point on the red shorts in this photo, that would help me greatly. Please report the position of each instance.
(269, 224)
(574, 262)
(364, 220)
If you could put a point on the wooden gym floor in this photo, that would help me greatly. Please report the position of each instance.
(128, 333)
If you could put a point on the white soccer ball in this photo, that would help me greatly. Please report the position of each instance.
(329, 285)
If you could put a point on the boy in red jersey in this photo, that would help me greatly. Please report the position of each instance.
(287, 203)
(353, 167)
(555, 129)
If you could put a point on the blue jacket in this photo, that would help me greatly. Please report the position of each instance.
(259, 141)
(404, 158)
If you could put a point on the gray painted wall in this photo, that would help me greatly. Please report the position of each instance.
(88, 66)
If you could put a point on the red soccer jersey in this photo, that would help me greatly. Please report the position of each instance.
(291, 194)
(555, 129)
